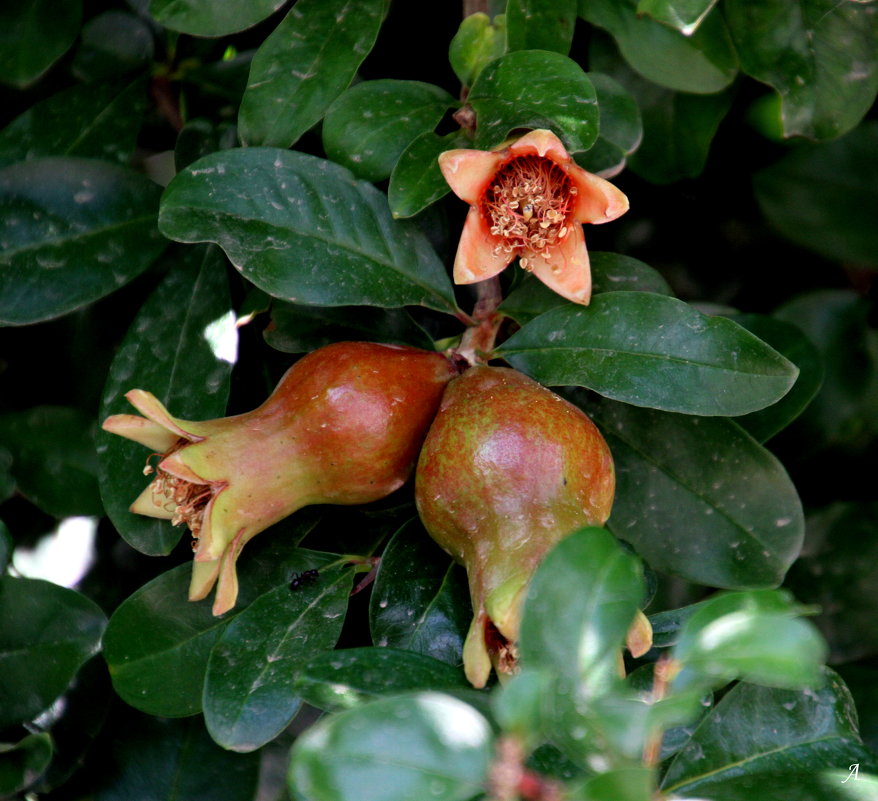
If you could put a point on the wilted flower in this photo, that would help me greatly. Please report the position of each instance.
(529, 200)
(343, 426)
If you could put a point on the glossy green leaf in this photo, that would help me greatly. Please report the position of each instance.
(652, 350)
(33, 36)
(684, 15)
(845, 410)
(94, 121)
(157, 643)
(416, 180)
(626, 784)
(179, 340)
(299, 329)
(111, 44)
(420, 601)
(478, 41)
(801, 782)
(754, 636)
(207, 18)
(166, 760)
(199, 138)
(666, 625)
(426, 745)
(822, 196)
(343, 679)
(518, 705)
(819, 55)
(249, 693)
(540, 25)
(368, 126)
(53, 459)
(610, 272)
(703, 63)
(47, 633)
(699, 498)
(578, 635)
(621, 128)
(790, 342)
(535, 89)
(311, 234)
(302, 66)
(73, 230)
(760, 731)
(23, 763)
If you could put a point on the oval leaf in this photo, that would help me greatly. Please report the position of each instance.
(655, 351)
(699, 498)
(540, 25)
(47, 633)
(307, 61)
(23, 763)
(174, 344)
(420, 601)
(208, 18)
(535, 89)
(369, 126)
(416, 180)
(417, 746)
(478, 41)
(249, 692)
(311, 234)
(73, 230)
(684, 15)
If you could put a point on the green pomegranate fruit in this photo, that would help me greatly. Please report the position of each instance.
(343, 426)
(507, 470)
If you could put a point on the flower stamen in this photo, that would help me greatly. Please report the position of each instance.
(184, 500)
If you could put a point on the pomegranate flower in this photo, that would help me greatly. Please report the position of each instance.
(529, 200)
(344, 426)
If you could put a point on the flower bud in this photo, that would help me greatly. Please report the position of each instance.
(343, 426)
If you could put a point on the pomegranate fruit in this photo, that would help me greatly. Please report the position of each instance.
(508, 469)
(343, 426)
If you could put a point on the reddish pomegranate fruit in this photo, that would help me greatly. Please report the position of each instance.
(343, 426)
(507, 470)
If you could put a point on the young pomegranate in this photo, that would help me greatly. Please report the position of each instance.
(343, 426)
(507, 470)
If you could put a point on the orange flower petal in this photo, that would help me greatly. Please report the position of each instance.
(468, 172)
(541, 143)
(476, 260)
(597, 200)
(566, 270)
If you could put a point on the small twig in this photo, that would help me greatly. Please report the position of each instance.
(665, 669)
(510, 780)
(478, 340)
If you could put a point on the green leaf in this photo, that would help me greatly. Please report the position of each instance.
(535, 89)
(478, 41)
(312, 233)
(208, 18)
(47, 633)
(684, 15)
(610, 272)
(5, 547)
(300, 329)
(369, 126)
(301, 67)
(7, 480)
(699, 498)
(420, 600)
(200, 138)
(23, 763)
(626, 784)
(801, 782)
(703, 63)
(167, 760)
(176, 342)
(790, 342)
(819, 55)
(34, 36)
(821, 196)
(93, 121)
(111, 44)
(73, 231)
(621, 128)
(652, 350)
(249, 693)
(53, 459)
(578, 635)
(426, 745)
(753, 636)
(845, 409)
(343, 679)
(540, 25)
(416, 180)
(759, 732)
(157, 643)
